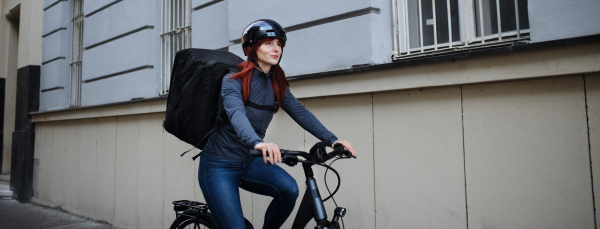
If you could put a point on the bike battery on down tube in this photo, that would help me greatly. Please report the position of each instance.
(315, 197)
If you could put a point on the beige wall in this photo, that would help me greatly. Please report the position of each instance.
(20, 46)
(30, 34)
(9, 42)
(30, 31)
(495, 155)
(592, 87)
(527, 157)
(419, 169)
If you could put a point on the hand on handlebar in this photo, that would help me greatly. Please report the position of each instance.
(271, 150)
(346, 145)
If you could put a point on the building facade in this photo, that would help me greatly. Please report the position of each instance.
(20, 61)
(464, 113)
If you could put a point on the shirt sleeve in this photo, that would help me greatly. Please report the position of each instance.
(306, 119)
(231, 92)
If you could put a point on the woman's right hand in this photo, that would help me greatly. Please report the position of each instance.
(271, 150)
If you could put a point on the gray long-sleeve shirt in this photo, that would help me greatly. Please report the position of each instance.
(247, 125)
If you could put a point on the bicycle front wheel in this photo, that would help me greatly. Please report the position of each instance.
(202, 220)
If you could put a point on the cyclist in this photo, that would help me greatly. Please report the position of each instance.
(250, 97)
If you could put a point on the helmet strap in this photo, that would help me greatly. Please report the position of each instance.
(252, 58)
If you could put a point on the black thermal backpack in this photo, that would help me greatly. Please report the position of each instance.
(193, 101)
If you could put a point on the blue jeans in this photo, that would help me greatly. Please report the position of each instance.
(220, 179)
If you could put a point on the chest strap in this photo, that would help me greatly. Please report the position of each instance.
(261, 107)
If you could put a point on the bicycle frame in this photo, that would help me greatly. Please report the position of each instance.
(312, 204)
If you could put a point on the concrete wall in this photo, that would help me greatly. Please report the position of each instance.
(494, 141)
(123, 48)
(30, 42)
(556, 19)
(9, 43)
(55, 81)
(119, 54)
(120, 178)
(592, 87)
(507, 155)
(419, 167)
(524, 156)
(20, 46)
(323, 36)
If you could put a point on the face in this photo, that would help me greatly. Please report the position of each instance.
(268, 53)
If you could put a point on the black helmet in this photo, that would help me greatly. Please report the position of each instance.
(260, 29)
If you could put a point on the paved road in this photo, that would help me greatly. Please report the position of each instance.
(14, 215)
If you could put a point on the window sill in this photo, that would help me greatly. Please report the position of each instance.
(137, 106)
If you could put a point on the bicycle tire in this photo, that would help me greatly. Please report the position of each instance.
(203, 220)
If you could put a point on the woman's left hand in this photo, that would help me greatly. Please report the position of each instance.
(346, 145)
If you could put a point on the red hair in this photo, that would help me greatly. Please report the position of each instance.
(279, 81)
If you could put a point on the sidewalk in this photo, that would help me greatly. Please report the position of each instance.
(15, 215)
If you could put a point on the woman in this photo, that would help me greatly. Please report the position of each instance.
(249, 98)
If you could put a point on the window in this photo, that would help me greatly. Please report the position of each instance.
(176, 34)
(76, 51)
(426, 27)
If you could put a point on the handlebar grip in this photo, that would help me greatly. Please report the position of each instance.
(338, 147)
(340, 150)
(255, 153)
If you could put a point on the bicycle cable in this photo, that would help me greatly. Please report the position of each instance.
(325, 179)
(326, 186)
(334, 171)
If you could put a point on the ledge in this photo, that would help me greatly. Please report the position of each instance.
(138, 106)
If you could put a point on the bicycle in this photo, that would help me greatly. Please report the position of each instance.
(192, 214)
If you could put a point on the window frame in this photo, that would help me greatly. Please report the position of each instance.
(77, 19)
(176, 34)
(466, 23)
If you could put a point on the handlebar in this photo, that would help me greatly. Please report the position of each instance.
(290, 157)
(284, 153)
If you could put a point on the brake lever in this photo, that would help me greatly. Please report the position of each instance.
(347, 154)
(338, 147)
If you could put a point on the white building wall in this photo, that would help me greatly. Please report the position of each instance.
(557, 19)
(323, 36)
(210, 26)
(118, 57)
(123, 37)
(56, 46)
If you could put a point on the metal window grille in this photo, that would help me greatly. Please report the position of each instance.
(427, 27)
(176, 34)
(77, 49)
